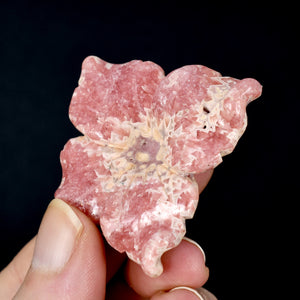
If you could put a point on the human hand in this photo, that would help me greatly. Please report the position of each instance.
(69, 259)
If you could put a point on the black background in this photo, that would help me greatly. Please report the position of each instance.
(242, 214)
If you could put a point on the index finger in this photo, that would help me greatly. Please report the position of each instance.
(183, 266)
(202, 179)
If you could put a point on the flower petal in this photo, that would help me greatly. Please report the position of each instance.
(183, 88)
(111, 97)
(150, 219)
(209, 115)
(82, 165)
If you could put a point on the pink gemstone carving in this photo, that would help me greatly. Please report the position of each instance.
(145, 137)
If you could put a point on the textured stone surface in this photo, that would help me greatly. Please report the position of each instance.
(145, 136)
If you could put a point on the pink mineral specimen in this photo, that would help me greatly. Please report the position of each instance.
(145, 137)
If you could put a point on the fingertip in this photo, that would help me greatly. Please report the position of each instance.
(192, 292)
(205, 294)
(77, 273)
(202, 179)
(197, 245)
(56, 240)
(185, 293)
(183, 266)
(179, 293)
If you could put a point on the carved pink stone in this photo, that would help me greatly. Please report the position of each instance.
(145, 137)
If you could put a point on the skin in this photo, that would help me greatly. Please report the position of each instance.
(96, 271)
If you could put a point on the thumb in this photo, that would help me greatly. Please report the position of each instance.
(68, 260)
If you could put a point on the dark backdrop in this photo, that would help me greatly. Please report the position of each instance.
(241, 215)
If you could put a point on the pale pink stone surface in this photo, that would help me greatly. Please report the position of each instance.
(145, 136)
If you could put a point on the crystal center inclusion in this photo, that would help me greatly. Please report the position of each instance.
(144, 151)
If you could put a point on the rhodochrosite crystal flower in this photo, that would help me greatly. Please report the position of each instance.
(145, 136)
